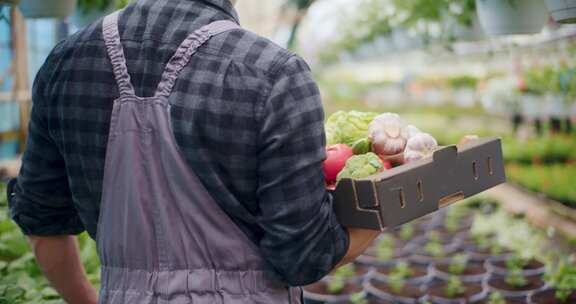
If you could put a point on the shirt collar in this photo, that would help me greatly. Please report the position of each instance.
(223, 5)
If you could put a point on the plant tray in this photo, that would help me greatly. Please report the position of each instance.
(405, 193)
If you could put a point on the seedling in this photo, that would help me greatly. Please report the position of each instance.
(454, 287)
(385, 248)
(406, 232)
(458, 264)
(496, 298)
(337, 281)
(515, 278)
(563, 279)
(434, 246)
(358, 298)
(516, 262)
(397, 278)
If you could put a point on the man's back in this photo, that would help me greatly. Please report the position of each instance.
(246, 116)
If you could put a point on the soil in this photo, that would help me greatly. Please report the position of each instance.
(471, 268)
(322, 288)
(419, 270)
(408, 291)
(471, 290)
(532, 283)
(532, 264)
(548, 297)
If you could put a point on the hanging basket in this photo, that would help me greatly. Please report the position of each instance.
(35, 9)
(9, 2)
(563, 11)
(511, 17)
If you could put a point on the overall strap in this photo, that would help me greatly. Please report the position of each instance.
(186, 50)
(116, 54)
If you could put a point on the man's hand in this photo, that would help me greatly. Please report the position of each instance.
(59, 260)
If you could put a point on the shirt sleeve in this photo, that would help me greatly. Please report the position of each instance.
(40, 199)
(302, 239)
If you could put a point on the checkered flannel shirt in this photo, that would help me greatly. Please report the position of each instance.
(246, 114)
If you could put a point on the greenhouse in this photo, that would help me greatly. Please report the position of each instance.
(288, 151)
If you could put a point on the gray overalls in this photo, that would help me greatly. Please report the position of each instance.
(161, 237)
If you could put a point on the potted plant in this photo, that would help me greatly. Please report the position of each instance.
(89, 11)
(455, 291)
(436, 249)
(396, 288)
(413, 273)
(498, 298)
(9, 2)
(563, 11)
(461, 267)
(484, 247)
(508, 17)
(337, 288)
(563, 286)
(383, 253)
(515, 284)
(527, 266)
(47, 8)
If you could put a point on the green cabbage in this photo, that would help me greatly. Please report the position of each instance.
(348, 127)
(360, 166)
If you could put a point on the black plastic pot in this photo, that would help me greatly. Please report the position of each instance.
(475, 272)
(548, 296)
(377, 290)
(475, 293)
(499, 267)
(422, 273)
(496, 283)
(317, 294)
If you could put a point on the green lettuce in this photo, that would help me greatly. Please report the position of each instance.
(348, 127)
(360, 166)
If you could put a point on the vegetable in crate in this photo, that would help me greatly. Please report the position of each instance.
(336, 157)
(347, 127)
(388, 134)
(360, 166)
(419, 146)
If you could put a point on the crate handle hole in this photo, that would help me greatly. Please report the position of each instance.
(402, 198)
(420, 190)
(490, 168)
(475, 169)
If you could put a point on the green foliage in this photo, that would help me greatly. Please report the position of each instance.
(563, 279)
(454, 287)
(516, 262)
(398, 276)
(337, 281)
(434, 246)
(546, 150)
(515, 278)
(21, 281)
(496, 298)
(385, 248)
(458, 264)
(406, 232)
(358, 298)
(464, 81)
(555, 181)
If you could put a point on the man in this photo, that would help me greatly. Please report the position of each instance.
(191, 151)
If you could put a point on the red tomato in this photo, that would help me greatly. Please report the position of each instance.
(336, 157)
(387, 164)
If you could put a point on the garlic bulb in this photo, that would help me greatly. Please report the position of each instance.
(412, 130)
(419, 146)
(388, 134)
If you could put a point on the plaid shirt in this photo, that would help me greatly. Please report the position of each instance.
(246, 114)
